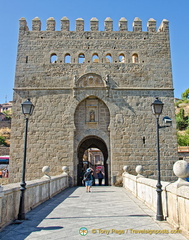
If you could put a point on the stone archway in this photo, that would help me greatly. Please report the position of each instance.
(91, 142)
(92, 120)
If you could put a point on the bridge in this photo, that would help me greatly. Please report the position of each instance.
(57, 211)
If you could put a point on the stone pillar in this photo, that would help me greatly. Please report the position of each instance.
(108, 24)
(151, 25)
(46, 170)
(79, 25)
(65, 24)
(36, 24)
(164, 27)
(123, 24)
(65, 170)
(139, 170)
(94, 24)
(126, 169)
(181, 170)
(23, 24)
(51, 24)
(137, 25)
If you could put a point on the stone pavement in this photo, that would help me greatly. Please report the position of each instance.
(106, 212)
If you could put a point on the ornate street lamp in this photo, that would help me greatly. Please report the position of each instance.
(27, 110)
(157, 107)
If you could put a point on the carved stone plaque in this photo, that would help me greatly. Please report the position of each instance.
(90, 80)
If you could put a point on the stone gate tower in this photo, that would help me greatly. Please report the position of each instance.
(92, 89)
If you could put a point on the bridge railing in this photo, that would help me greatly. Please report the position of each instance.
(37, 192)
(175, 196)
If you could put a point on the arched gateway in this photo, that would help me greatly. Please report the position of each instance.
(92, 119)
(91, 142)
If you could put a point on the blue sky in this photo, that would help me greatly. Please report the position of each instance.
(177, 12)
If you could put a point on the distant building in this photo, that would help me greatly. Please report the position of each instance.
(176, 99)
(6, 107)
(183, 153)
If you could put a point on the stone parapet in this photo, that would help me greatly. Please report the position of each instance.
(37, 191)
(175, 199)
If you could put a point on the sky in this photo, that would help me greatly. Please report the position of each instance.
(176, 12)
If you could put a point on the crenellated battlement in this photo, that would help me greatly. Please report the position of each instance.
(94, 25)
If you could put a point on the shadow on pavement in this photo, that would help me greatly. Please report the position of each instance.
(41, 212)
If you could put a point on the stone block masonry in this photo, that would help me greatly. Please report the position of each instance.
(114, 75)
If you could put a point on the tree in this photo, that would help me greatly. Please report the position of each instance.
(8, 114)
(2, 140)
(185, 95)
(181, 120)
(183, 139)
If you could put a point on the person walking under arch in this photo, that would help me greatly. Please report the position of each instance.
(100, 177)
(88, 179)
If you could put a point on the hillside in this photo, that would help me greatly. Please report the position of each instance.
(185, 106)
(182, 119)
(5, 131)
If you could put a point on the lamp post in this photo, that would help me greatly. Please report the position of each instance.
(157, 107)
(27, 110)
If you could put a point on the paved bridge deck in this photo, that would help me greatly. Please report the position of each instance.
(106, 212)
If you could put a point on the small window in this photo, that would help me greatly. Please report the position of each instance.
(53, 58)
(108, 58)
(95, 58)
(81, 58)
(121, 58)
(67, 58)
(135, 58)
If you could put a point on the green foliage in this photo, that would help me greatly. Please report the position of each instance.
(8, 114)
(183, 139)
(181, 101)
(2, 140)
(181, 113)
(185, 95)
(181, 120)
(185, 98)
(187, 130)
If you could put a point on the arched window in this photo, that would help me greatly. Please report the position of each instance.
(135, 58)
(81, 58)
(108, 58)
(121, 58)
(53, 58)
(95, 58)
(67, 58)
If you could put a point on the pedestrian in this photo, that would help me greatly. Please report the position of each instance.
(100, 177)
(88, 179)
(6, 172)
(1, 174)
(93, 177)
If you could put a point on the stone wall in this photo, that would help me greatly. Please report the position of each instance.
(4, 124)
(37, 191)
(175, 199)
(4, 150)
(132, 68)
